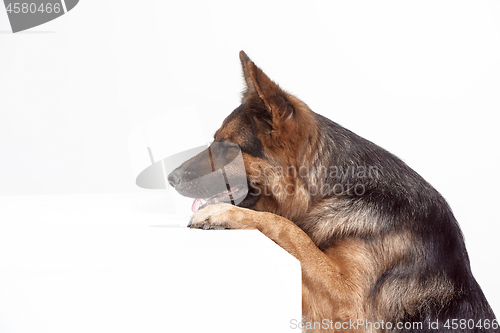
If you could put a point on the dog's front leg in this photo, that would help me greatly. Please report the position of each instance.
(327, 292)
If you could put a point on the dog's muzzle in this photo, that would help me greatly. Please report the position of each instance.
(216, 175)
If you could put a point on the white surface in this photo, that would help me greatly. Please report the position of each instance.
(108, 263)
(420, 79)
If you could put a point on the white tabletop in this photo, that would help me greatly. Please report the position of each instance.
(126, 263)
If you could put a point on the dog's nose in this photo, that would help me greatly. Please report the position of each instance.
(175, 177)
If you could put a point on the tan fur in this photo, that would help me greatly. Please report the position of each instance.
(328, 288)
(335, 283)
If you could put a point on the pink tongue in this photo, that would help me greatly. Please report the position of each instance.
(196, 205)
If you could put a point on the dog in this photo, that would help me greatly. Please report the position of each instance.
(379, 247)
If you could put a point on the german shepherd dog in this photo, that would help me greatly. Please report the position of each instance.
(379, 247)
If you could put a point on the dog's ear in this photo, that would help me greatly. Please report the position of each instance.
(245, 61)
(276, 100)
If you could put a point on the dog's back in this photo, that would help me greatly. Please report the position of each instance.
(408, 229)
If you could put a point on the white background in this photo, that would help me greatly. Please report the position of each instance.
(422, 80)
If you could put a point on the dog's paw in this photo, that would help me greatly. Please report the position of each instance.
(221, 216)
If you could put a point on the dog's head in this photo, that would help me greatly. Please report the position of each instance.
(274, 133)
